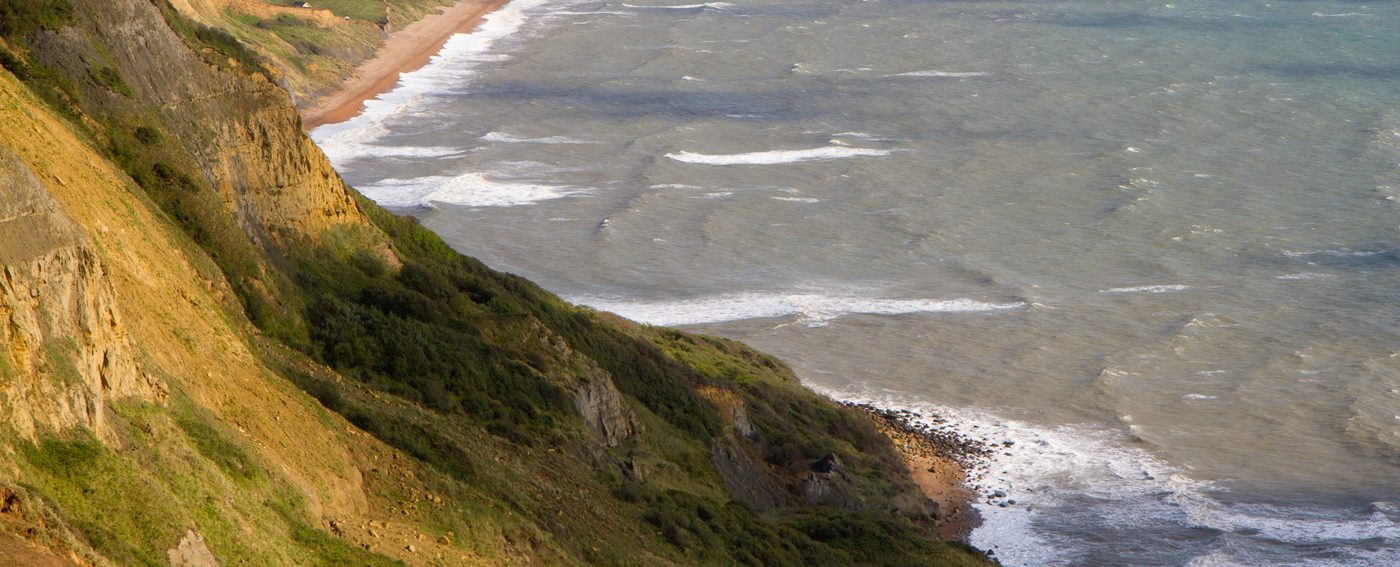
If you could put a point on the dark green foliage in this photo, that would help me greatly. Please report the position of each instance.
(13, 63)
(147, 136)
(419, 336)
(18, 18)
(869, 539)
(733, 534)
(432, 440)
(639, 369)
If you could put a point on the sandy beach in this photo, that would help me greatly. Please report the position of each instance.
(406, 50)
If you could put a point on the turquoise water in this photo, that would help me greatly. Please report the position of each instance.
(1156, 245)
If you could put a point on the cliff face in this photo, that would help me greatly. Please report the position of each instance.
(66, 349)
(239, 128)
(396, 402)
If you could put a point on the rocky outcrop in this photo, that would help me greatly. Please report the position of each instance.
(829, 483)
(63, 346)
(747, 479)
(596, 398)
(602, 407)
(191, 552)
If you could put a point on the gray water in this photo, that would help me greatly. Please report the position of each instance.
(1155, 245)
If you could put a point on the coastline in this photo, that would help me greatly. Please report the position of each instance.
(406, 50)
(940, 461)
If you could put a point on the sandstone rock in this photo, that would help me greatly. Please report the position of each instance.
(191, 552)
(64, 348)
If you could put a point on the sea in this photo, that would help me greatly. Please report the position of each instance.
(1149, 250)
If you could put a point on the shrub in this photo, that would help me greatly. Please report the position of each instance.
(19, 18)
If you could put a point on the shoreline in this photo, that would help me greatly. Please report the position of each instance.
(941, 461)
(405, 51)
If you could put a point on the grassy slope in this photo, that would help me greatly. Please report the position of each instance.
(445, 361)
(313, 50)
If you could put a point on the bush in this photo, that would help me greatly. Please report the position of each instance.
(147, 136)
(19, 18)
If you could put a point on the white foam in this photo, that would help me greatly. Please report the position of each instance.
(1147, 289)
(504, 138)
(450, 69)
(1304, 276)
(469, 189)
(593, 13)
(774, 157)
(943, 74)
(704, 6)
(1340, 253)
(1049, 468)
(1340, 15)
(814, 309)
(797, 199)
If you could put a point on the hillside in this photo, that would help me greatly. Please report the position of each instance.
(218, 353)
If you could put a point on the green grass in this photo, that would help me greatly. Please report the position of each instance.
(369, 10)
(373, 10)
(178, 470)
(111, 501)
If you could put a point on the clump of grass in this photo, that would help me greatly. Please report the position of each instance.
(111, 79)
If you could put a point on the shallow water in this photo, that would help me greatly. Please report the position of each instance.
(1156, 245)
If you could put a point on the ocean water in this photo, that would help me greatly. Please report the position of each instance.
(1155, 245)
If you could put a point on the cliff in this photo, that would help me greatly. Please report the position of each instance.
(216, 352)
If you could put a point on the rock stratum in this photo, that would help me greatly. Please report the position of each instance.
(214, 352)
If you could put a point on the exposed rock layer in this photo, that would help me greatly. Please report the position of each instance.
(64, 348)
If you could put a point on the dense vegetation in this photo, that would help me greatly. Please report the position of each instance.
(20, 17)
